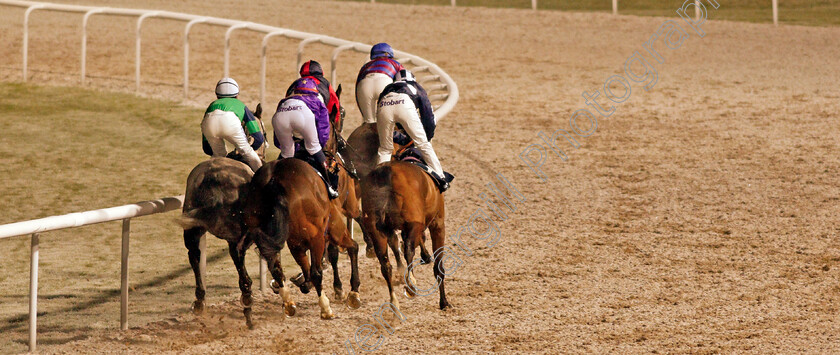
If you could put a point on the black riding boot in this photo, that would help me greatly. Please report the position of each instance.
(321, 165)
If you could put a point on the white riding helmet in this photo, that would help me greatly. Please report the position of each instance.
(227, 87)
(404, 75)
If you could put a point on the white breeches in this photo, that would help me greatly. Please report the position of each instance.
(219, 126)
(294, 116)
(367, 92)
(398, 108)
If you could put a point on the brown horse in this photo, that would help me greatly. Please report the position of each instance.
(364, 148)
(212, 203)
(288, 204)
(400, 195)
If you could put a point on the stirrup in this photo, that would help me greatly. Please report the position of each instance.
(331, 192)
(443, 181)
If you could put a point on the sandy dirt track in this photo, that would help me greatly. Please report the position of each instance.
(700, 217)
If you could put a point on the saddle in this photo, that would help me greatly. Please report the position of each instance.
(235, 155)
(332, 166)
(410, 154)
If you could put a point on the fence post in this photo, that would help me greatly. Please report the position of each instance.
(335, 53)
(696, 9)
(533, 4)
(301, 46)
(84, 41)
(453, 3)
(126, 230)
(227, 45)
(615, 7)
(26, 36)
(33, 294)
(187, 55)
(137, 49)
(775, 12)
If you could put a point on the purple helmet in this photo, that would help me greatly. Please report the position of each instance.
(381, 50)
(305, 86)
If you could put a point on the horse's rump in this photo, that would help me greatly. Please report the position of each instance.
(363, 148)
(213, 188)
(267, 208)
(379, 199)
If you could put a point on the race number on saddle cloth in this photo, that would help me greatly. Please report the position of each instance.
(399, 103)
(228, 119)
(312, 70)
(305, 114)
(373, 77)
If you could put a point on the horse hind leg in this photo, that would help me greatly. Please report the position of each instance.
(272, 257)
(238, 256)
(394, 243)
(302, 260)
(370, 252)
(412, 235)
(332, 254)
(353, 299)
(425, 257)
(192, 237)
(316, 274)
(380, 245)
(438, 233)
(341, 237)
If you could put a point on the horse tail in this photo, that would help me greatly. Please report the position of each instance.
(209, 197)
(278, 225)
(380, 196)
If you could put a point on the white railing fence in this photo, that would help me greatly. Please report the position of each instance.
(37, 226)
(440, 81)
(444, 102)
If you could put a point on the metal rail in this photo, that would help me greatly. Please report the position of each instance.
(341, 45)
(127, 212)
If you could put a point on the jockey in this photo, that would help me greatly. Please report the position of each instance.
(312, 70)
(373, 77)
(304, 113)
(228, 119)
(399, 103)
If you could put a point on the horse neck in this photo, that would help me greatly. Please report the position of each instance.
(331, 145)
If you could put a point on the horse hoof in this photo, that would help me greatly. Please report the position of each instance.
(275, 286)
(370, 253)
(198, 307)
(247, 301)
(353, 300)
(290, 309)
(445, 305)
(339, 295)
(425, 259)
(409, 293)
(327, 315)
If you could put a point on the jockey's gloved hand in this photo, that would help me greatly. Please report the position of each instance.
(341, 144)
(401, 138)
